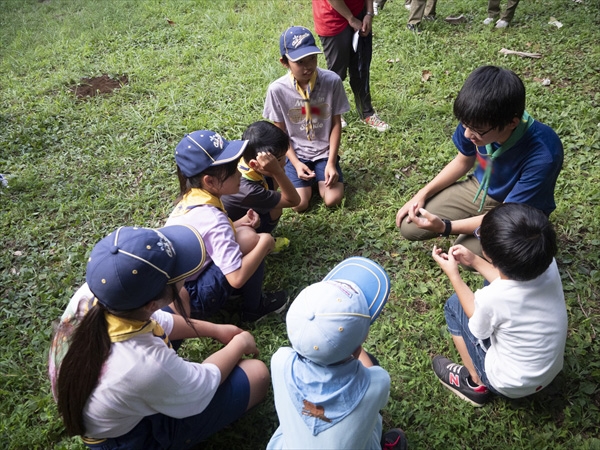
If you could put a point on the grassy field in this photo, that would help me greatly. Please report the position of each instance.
(78, 168)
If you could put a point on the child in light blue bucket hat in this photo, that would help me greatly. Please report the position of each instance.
(328, 392)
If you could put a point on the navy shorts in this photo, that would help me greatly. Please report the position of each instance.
(318, 167)
(209, 292)
(163, 432)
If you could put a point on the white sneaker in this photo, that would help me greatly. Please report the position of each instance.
(501, 24)
(375, 122)
(488, 21)
(344, 124)
(407, 4)
(375, 8)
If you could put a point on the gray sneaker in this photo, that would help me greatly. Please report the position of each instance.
(455, 377)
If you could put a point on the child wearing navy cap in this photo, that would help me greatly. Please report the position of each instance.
(328, 393)
(308, 104)
(207, 169)
(117, 380)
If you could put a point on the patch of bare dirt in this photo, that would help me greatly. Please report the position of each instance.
(90, 87)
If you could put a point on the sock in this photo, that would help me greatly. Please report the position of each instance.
(471, 383)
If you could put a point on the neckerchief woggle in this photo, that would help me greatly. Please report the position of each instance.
(198, 197)
(250, 174)
(306, 110)
(517, 134)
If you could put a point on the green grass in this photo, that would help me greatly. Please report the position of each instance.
(77, 169)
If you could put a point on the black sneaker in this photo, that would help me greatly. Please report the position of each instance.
(272, 302)
(394, 439)
(455, 377)
(413, 28)
(430, 18)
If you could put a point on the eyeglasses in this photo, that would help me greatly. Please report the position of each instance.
(478, 133)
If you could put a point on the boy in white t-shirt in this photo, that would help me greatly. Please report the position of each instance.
(510, 334)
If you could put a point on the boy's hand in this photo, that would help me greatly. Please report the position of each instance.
(446, 261)
(304, 173)
(267, 164)
(331, 175)
(462, 255)
(418, 200)
(251, 219)
(425, 220)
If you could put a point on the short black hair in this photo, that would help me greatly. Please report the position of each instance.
(491, 97)
(220, 172)
(263, 136)
(519, 240)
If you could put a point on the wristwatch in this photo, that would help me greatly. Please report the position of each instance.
(369, 13)
(448, 228)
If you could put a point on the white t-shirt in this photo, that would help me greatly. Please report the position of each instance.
(142, 377)
(526, 322)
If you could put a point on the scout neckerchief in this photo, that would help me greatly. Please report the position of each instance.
(250, 174)
(526, 122)
(198, 197)
(306, 109)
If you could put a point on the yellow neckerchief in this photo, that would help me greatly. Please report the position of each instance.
(250, 174)
(120, 329)
(198, 197)
(306, 110)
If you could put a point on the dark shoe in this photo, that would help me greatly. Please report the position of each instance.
(394, 439)
(431, 17)
(272, 302)
(455, 377)
(413, 28)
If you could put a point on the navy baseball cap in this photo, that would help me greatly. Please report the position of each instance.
(202, 149)
(131, 266)
(297, 42)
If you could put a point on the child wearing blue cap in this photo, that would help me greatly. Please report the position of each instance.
(207, 169)
(308, 104)
(117, 381)
(328, 393)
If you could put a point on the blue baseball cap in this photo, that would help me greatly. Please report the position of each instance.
(297, 42)
(202, 149)
(131, 266)
(329, 320)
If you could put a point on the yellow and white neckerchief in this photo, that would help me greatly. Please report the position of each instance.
(198, 197)
(306, 109)
(250, 174)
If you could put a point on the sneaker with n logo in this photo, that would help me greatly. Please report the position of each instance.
(456, 378)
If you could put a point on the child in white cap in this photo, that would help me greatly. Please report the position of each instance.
(328, 393)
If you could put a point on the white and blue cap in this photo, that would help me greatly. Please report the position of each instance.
(329, 320)
(296, 43)
(199, 150)
(131, 266)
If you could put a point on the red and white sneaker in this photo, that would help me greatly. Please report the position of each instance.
(375, 122)
(455, 377)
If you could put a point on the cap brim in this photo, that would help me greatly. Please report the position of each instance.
(232, 152)
(370, 277)
(303, 52)
(190, 251)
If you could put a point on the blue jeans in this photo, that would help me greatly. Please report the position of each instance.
(458, 325)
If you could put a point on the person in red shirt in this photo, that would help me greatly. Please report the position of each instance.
(344, 28)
